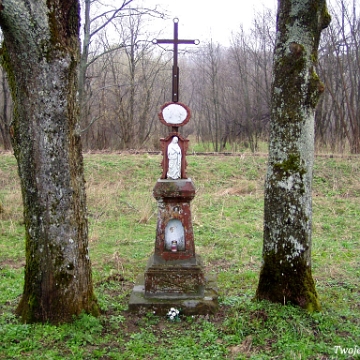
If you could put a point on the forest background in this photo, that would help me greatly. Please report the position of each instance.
(125, 79)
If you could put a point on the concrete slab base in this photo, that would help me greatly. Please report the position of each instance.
(208, 304)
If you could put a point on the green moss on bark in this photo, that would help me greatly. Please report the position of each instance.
(315, 89)
(286, 272)
(291, 165)
(64, 22)
(287, 282)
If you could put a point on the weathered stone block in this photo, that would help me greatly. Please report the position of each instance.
(174, 281)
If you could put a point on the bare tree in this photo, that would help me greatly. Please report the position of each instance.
(231, 87)
(250, 58)
(126, 96)
(41, 57)
(338, 116)
(209, 93)
(98, 19)
(286, 270)
(139, 71)
(94, 23)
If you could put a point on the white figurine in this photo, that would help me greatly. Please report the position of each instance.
(174, 156)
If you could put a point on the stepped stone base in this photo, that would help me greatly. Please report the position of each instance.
(205, 304)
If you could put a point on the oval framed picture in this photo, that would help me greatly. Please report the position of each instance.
(174, 114)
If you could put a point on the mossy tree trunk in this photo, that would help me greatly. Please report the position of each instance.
(40, 54)
(286, 270)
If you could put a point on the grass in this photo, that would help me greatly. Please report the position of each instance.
(228, 219)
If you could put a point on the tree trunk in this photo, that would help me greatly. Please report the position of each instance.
(41, 54)
(4, 119)
(286, 271)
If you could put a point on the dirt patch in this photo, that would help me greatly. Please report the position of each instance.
(219, 265)
(12, 264)
(259, 315)
(239, 190)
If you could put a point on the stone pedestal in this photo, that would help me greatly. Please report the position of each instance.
(174, 220)
(174, 279)
(174, 274)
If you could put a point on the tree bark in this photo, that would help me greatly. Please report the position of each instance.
(286, 270)
(41, 55)
(4, 119)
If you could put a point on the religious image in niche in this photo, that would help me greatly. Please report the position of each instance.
(174, 156)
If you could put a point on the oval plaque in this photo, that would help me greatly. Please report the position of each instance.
(174, 114)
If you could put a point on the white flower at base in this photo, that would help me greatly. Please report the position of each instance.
(173, 314)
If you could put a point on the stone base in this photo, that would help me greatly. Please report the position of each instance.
(208, 304)
(176, 278)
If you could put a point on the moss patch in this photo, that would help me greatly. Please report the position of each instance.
(292, 165)
(287, 281)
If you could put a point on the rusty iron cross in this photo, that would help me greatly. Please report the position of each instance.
(176, 41)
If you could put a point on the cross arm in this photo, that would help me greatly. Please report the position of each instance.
(171, 41)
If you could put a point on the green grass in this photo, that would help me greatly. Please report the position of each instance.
(228, 220)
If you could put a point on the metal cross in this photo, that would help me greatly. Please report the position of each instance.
(176, 42)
